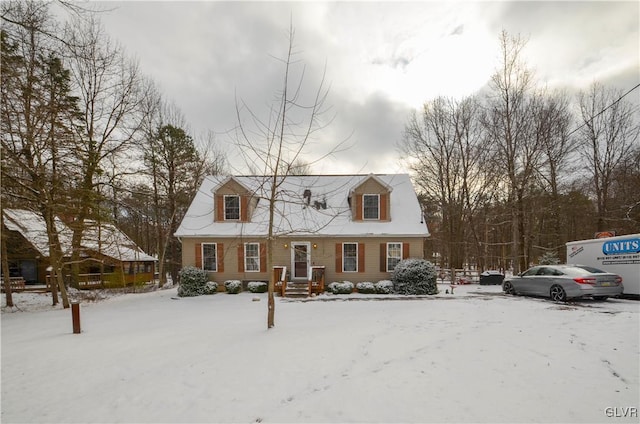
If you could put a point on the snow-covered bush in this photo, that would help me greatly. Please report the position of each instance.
(233, 286)
(193, 282)
(211, 287)
(415, 276)
(366, 287)
(257, 286)
(341, 287)
(384, 287)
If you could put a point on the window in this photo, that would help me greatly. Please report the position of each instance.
(350, 257)
(371, 206)
(252, 257)
(210, 257)
(231, 207)
(394, 255)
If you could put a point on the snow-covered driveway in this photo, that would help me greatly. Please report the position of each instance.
(476, 356)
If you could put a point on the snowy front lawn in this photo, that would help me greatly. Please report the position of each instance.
(476, 356)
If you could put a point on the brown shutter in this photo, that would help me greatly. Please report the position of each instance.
(383, 257)
(219, 208)
(263, 257)
(198, 255)
(360, 257)
(405, 250)
(220, 255)
(244, 209)
(383, 207)
(240, 257)
(338, 257)
(358, 207)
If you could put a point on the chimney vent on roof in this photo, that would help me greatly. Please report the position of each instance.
(307, 196)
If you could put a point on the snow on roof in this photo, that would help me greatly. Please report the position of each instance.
(104, 238)
(112, 242)
(34, 229)
(294, 217)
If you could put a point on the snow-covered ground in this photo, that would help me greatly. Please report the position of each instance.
(474, 356)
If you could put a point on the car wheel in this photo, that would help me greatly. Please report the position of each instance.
(508, 288)
(558, 294)
(600, 297)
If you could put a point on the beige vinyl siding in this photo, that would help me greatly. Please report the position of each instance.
(232, 188)
(324, 253)
(371, 186)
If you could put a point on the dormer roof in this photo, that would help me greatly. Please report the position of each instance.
(374, 177)
(226, 181)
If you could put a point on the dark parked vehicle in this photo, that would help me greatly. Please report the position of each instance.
(491, 277)
(562, 282)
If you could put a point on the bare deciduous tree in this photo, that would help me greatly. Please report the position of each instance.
(109, 88)
(511, 129)
(608, 134)
(275, 145)
(445, 144)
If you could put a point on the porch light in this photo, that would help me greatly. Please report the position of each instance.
(315, 246)
(286, 245)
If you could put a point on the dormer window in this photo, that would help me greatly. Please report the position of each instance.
(231, 207)
(371, 206)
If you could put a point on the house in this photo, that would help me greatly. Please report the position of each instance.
(358, 227)
(107, 253)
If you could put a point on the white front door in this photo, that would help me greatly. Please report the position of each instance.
(300, 259)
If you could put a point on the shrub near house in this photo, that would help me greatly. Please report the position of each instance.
(233, 286)
(257, 287)
(195, 282)
(415, 276)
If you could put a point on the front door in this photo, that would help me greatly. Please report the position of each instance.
(300, 259)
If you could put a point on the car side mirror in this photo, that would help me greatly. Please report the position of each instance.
(520, 274)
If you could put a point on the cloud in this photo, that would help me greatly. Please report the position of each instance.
(574, 43)
(382, 59)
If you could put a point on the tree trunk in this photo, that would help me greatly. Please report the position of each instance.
(5, 263)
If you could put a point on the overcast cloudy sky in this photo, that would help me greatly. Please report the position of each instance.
(383, 59)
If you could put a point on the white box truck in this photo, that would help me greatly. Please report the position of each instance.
(620, 255)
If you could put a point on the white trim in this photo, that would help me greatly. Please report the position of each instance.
(343, 256)
(202, 256)
(245, 257)
(378, 207)
(293, 259)
(224, 207)
(387, 257)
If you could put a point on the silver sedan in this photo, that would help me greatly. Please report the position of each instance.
(561, 282)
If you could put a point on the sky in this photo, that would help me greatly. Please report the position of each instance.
(380, 61)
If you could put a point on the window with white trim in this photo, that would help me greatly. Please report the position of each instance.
(210, 257)
(231, 207)
(349, 257)
(371, 206)
(252, 257)
(394, 255)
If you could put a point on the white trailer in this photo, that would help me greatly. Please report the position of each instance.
(620, 255)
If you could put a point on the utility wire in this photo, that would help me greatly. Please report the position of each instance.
(604, 110)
